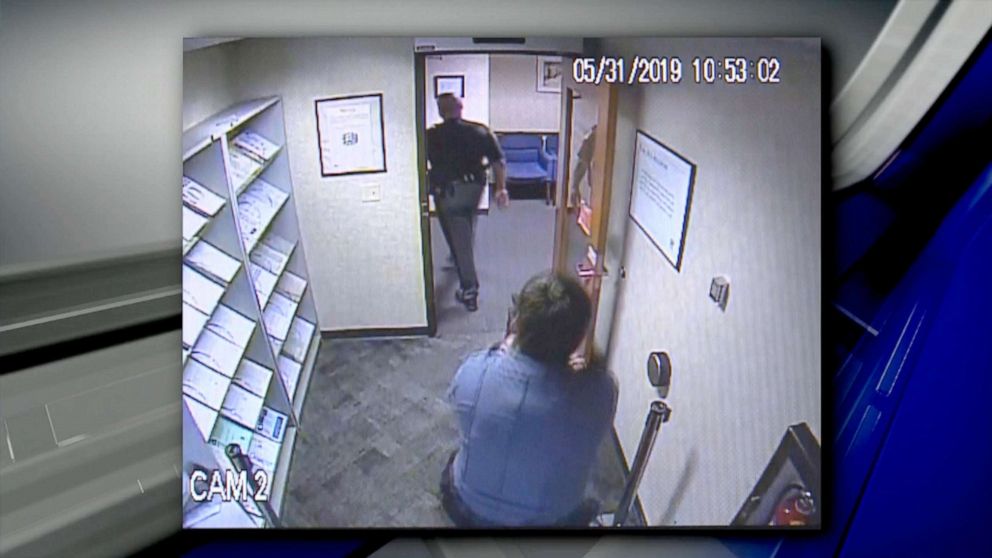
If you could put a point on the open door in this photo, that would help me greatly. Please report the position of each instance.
(589, 115)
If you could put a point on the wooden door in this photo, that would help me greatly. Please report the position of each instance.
(589, 115)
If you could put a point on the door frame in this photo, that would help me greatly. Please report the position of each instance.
(420, 114)
(602, 192)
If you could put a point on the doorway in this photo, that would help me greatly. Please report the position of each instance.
(505, 92)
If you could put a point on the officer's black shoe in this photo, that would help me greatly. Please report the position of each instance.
(471, 302)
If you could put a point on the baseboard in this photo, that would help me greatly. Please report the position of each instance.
(417, 331)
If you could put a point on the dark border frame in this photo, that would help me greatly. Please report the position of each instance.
(688, 199)
(538, 73)
(461, 81)
(800, 448)
(382, 130)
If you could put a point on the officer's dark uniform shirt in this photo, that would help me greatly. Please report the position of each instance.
(455, 149)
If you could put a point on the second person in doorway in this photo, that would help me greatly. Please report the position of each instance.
(458, 154)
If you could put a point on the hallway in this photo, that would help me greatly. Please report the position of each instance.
(377, 430)
(511, 245)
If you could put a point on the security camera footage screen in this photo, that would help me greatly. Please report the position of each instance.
(487, 283)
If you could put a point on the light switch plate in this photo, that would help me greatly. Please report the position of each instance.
(372, 193)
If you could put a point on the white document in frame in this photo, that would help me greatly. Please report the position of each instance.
(231, 325)
(204, 385)
(662, 183)
(347, 140)
(213, 351)
(253, 377)
(214, 261)
(199, 292)
(242, 406)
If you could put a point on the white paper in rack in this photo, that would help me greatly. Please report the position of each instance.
(264, 282)
(254, 143)
(289, 371)
(193, 223)
(292, 286)
(213, 351)
(200, 198)
(242, 167)
(264, 453)
(199, 292)
(204, 417)
(278, 316)
(242, 406)
(269, 258)
(298, 340)
(214, 261)
(193, 322)
(204, 385)
(231, 326)
(254, 377)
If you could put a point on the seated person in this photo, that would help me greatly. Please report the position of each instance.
(531, 415)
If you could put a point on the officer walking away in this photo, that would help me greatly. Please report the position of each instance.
(458, 154)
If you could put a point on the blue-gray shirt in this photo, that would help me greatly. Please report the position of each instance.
(530, 433)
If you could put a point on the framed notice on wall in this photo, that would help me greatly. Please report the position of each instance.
(661, 196)
(449, 84)
(549, 74)
(350, 135)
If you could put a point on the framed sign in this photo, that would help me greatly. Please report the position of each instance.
(549, 74)
(449, 84)
(350, 135)
(661, 196)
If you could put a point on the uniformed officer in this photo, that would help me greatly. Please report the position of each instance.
(458, 153)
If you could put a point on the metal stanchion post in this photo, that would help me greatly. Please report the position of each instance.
(658, 413)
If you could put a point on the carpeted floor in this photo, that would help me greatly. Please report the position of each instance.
(377, 430)
(511, 245)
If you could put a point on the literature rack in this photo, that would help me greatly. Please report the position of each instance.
(250, 335)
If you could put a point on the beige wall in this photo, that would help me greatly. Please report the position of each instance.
(475, 69)
(207, 84)
(515, 104)
(740, 377)
(365, 258)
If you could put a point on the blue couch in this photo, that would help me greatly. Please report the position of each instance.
(551, 156)
(528, 163)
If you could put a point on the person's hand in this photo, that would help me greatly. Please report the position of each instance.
(507, 343)
(502, 198)
(577, 362)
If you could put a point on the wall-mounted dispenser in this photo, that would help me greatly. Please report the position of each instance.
(660, 372)
(720, 291)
